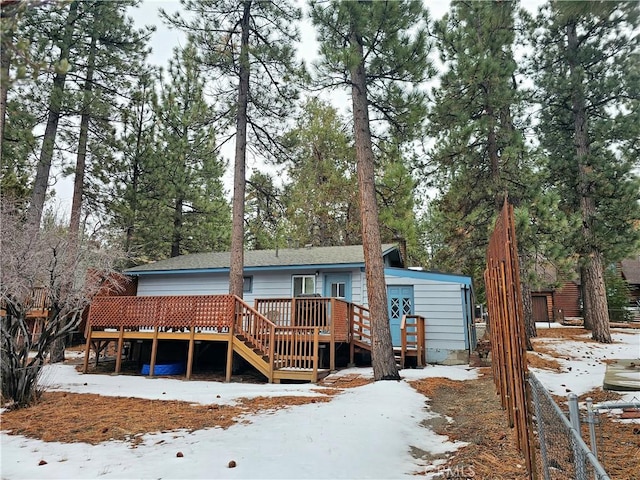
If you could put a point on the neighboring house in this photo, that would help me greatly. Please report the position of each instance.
(552, 303)
(444, 300)
(630, 271)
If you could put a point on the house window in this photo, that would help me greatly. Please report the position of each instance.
(247, 284)
(338, 289)
(304, 284)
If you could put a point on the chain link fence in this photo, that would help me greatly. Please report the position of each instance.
(612, 441)
(563, 453)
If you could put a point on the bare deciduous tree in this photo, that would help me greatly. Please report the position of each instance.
(70, 271)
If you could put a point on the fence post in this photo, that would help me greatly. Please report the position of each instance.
(591, 420)
(574, 417)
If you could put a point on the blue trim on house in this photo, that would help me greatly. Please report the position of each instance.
(428, 275)
(324, 267)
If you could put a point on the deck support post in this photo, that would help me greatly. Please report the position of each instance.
(87, 350)
(316, 346)
(332, 344)
(190, 353)
(119, 350)
(154, 352)
(229, 369)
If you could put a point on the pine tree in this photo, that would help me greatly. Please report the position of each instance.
(248, 48)
(380, 50)
(129, 174)
(41, 182)
(586, 56)
(110, 51)
(479, 154)
(321, 193)
(265, 216)
(187, 172)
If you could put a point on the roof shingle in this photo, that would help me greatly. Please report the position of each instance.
(352, 254)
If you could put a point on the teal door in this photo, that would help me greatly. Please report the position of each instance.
(337, 285)
(400, 299)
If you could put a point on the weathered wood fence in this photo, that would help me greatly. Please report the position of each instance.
(507, 330)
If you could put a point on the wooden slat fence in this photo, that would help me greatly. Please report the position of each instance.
(507, 330)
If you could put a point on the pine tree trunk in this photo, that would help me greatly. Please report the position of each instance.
(596, 299)
(596, 313)
(5, 64)
(382, 357)
(41, 182)
(176, 237)
(586, 318)
(135, 180)
(78, 182)
(529, 321)
(237, 231)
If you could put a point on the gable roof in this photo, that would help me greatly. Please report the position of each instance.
(631, 270)
(345, 256)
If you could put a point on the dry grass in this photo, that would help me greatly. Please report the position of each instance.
(72, 417)
(536, 361)
(346, 381)
(566, 332)
(479, 420)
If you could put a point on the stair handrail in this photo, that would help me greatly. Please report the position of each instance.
(270, 347)
(419, 342)
(403, 340)
(357, 327)
(266, 348)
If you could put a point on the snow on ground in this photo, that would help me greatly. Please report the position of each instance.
(583, 365)
(365, 432)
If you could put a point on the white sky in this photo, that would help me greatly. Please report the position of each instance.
(365, 432)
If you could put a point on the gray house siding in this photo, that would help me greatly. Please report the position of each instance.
(444, 300)
(271, 284)
(441, 303)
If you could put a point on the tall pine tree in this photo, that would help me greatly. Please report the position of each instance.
(321, 193)
(187, 172)
(248, 48)
(586, 59)
(479, 154)
(379, 50)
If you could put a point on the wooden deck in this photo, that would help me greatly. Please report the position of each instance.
(281, 338)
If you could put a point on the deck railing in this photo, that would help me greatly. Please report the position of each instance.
(361, 325)
(330, 315)
(200, 312)
(285, 331)
(256, 329)
(359, 330)
(412, 334)
(296, 347)
(281, 346)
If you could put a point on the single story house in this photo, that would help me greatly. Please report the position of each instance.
(444, 300)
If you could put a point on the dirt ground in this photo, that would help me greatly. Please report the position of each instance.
(478, 419)
(473, 408)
